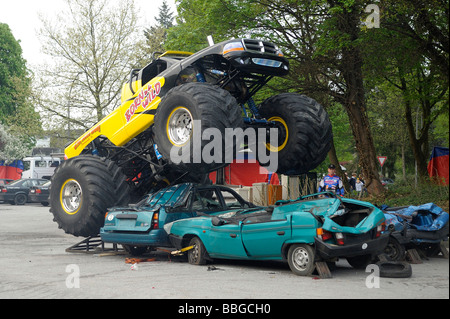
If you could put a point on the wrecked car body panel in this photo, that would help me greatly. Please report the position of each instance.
(426, 223)
(267, 233)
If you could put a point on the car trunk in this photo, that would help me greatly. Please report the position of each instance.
(351, 215)
(355, 223)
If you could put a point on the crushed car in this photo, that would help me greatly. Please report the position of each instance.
(420, 227)
(140, 227)
(317, 227)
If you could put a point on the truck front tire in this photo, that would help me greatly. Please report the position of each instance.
(184, 114)
(82, 190)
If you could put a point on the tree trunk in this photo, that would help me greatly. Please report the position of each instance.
(354, 102)
(416, 143)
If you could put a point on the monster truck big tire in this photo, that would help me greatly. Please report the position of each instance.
(183, 116)
(82, 189)
(304, 132)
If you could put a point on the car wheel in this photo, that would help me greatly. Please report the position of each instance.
(20, 199)
(301, 258)
(197, 255)
(394, 269)
(394, 250)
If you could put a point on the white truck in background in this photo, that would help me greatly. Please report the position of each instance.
(40, 166)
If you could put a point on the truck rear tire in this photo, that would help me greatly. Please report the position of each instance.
(82, 190)
(304, 132)
(175, 132)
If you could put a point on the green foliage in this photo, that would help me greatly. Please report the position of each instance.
(403, 193)
(156, 35)
(12, 70)
(411, 45)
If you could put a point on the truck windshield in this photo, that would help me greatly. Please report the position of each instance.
(26, 165)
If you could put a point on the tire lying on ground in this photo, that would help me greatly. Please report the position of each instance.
(82, 189)
(175, 133)
(304, 132)
(394, 269)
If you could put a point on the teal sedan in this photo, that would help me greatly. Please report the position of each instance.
(317, 227)
(140, 227)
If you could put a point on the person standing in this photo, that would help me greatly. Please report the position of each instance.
(359, 187)
(332, 182)
(352, 182)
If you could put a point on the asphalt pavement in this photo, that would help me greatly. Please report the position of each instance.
(35, 265)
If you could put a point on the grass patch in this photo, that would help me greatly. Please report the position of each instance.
(405, 193)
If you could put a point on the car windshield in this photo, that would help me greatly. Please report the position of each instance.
(169, 196)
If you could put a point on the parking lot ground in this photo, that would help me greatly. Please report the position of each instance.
(34, 264)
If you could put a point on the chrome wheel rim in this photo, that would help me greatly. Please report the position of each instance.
(71, 196)
(179, 126)
(301, 258)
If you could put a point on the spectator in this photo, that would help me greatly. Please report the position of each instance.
(352, 182)
(332, 182)
(359, 186)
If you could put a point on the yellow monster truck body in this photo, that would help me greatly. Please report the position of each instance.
(150, 142)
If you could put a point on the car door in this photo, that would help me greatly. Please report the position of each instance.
(224, 241)
(220, 240)
(25, 186)
(263, 236)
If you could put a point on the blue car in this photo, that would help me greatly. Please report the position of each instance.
(317, 227)
(420, 227)
(140, 227)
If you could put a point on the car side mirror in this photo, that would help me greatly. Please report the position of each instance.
(216, 221)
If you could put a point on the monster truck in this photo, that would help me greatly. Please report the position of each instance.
(149, 142)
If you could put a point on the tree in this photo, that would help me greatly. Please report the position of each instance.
(322, 40)
(156, 35)
(17, 111)
(91, 45)
(414, 42)
(12, 146)
(13, 72)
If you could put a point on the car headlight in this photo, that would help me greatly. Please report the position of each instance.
(232, 46)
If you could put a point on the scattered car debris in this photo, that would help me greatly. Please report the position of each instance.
(211, 268)
(138, 260)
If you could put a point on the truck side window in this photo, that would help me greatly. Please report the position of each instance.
(40, 164)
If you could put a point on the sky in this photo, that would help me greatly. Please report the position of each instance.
(22, 18)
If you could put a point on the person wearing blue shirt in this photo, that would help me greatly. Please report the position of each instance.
(332, 182)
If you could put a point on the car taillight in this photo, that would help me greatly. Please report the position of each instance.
(323, 234)
(155, 218)
(38, 191)
(380, 229)
(4, 190)
(339, 239)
